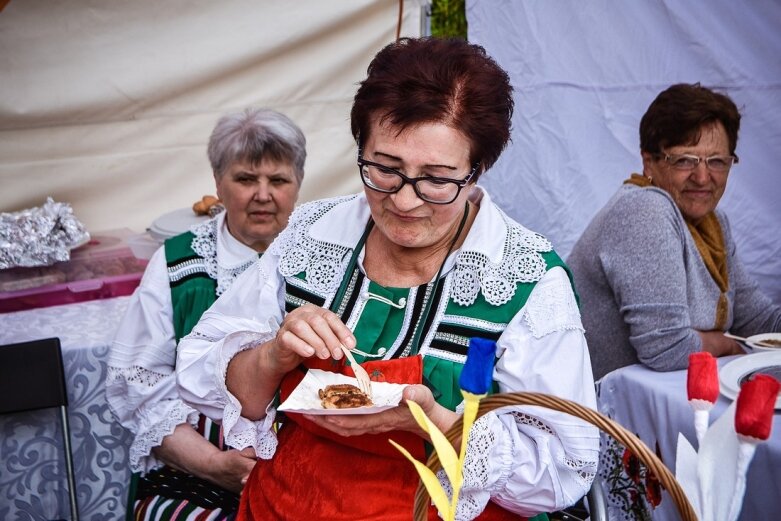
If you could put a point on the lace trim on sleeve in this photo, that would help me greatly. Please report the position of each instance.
(474, 489)
(140, 453)
(240, 432)
(134, 374)
(477, 484)
(258, 435)
(552, 307)
(584, 470)
(521, 262)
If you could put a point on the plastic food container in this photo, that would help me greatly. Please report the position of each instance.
(105, 267)
(175, 222)
(144, 245)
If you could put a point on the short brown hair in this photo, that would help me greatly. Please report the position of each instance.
(434, 80)
(677, 115)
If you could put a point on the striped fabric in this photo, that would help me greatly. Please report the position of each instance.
(186, 268)
(167, 494)
(156, 508)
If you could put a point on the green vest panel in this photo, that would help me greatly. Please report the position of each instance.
(192, 289)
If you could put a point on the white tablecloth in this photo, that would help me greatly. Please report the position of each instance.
(32, 465)
(654, 406)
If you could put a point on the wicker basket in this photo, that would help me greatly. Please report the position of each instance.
(629, 440)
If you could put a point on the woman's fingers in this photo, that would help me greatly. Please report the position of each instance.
(311, 330)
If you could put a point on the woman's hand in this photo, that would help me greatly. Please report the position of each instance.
(188, 451)
(310, 331)
(398, 418)
(715, 343)
(230, 469)
(254, 375)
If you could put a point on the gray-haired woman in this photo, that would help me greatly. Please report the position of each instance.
(182, 465)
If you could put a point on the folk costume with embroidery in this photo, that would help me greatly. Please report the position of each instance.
(504, 283)
(183, 278)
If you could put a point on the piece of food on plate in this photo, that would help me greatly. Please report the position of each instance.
(343, 396)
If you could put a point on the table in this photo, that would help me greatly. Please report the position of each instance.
(32, 464)
(654, 406)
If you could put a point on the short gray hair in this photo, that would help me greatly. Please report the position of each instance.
(253, 135)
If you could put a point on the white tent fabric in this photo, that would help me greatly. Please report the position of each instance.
(585, 72)
(108, 106)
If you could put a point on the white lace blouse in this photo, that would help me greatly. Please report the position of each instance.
(140, 383)
(526, 459)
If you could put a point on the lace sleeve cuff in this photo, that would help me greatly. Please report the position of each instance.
(168, 415)
(478, 478)
(240, 432)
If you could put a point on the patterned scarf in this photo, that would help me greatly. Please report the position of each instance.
(709, 240)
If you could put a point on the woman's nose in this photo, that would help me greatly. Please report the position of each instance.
(406, 199)
(700, 174)
(263, 194)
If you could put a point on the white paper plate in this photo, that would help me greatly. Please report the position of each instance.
(733, 374)
(304, 398)
(173, 223)
(751, 341)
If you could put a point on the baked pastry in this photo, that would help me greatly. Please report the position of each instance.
(343, 396)
(203, 206)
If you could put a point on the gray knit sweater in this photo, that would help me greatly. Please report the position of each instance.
(644, 289)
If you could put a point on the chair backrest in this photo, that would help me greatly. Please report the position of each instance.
(32, 376)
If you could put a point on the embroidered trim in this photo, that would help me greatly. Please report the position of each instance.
(360, 302)
(186, 268)
(295, 302)
(525, 419)
(197, 334)
(349, 293)
(134, 374)
(474, 489)
(475, 323)
(323, 262)
(205, 244)
(445, 355)
(425, 341)
(452, 338)
(140, 454)
(474, 273)
(521, 262)
(551, 307)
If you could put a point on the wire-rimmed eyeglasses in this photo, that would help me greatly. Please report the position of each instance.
(688, 162)
(436, 190)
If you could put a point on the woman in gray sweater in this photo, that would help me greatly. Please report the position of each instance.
(657, 268)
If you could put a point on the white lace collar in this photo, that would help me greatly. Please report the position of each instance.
(321, 235)
(225, 256)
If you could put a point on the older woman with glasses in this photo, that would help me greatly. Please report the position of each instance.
(184, 468)
(403, 274)
(657, 268)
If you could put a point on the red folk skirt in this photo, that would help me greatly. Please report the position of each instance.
(318, 475)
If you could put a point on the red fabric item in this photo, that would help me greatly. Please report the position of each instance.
(756, 401)
(702, 379)
(317, 475)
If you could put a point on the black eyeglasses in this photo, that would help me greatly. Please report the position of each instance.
(688, 162)
(436, 190)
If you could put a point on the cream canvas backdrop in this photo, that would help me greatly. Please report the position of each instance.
(109, 105)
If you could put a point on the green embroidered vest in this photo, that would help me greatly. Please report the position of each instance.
(192, 289)
(381, 325)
